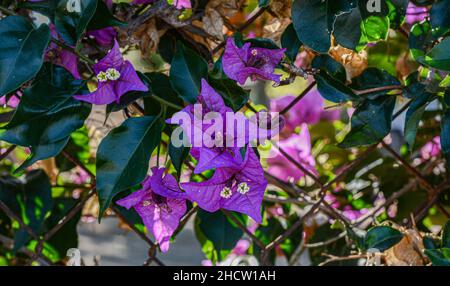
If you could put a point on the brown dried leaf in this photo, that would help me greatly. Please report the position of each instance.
(213, 23)
(281, 7)
(226, 8)
(275, 28)
(147, 37)
(354, 63)
(408, 252)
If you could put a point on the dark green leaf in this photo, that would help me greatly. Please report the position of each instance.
(263, 3)
(445, 136)
(73, 17)
(414, 114)
(45, 7)
(382, 238)
(310, 23)
(103, 18)
(22, 51)
(30, 199)
(290, 42)
(216, 228)
(371, 122)
(123, 156)
(233, 95)
(47, 114)
(178, 155)
(373, 78)
(439, 17)
(439, 257)
(186, 72)
(332, 89)
(445, 240)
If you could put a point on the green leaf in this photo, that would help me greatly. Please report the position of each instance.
(71, 20)
(439, 257)
(290, 42)
(233, 95)
(371, 122)
(347, 29)
(445, 135)
(44, 7)
(445, 240)
(47, 114)
(415, 112)
(216, 228)
(332, 89)
(186, 71)
(382, 238)
(22, 51)
(30, 199)
(103, 18)
(373, 78)
(439, 19)
(123, 156)
(263, 3)
(163, 89)
(439, 56)
(310, 22)
(331, 80)
(178, 155)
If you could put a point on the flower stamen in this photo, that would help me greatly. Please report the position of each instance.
(226, 193)
(243, 188)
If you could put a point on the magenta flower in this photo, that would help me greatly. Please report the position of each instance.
(298, 146)
(13, 101)
(115, 78)
(309, 110)
(205, 148)
(415, 14)
(256, 63)
(239, 189)
(140, 2)
(104, 37)
(182, 4)
(160, 205)
(60, 56)
(431, 149)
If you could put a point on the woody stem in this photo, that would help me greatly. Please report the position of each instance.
(66, 47)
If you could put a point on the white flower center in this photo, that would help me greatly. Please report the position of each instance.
(112, 74)
(226, 193)
(254, 52)
(102, 77)
(146, 203)
(243, 188)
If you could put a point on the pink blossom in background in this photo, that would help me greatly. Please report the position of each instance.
(415, 14)
(298, 146)
(13, 100)
(309, 110)
(182, 4)
(431, 149)
(241, 247)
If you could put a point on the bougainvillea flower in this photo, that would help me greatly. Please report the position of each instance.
(415, 13)
(221, 149)
(246, 62)
(431, 149)
(104, 37)
(115, 77)
(60, 56)
(298, 147)
(140, 2)
(239, 189)
(160, 208)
